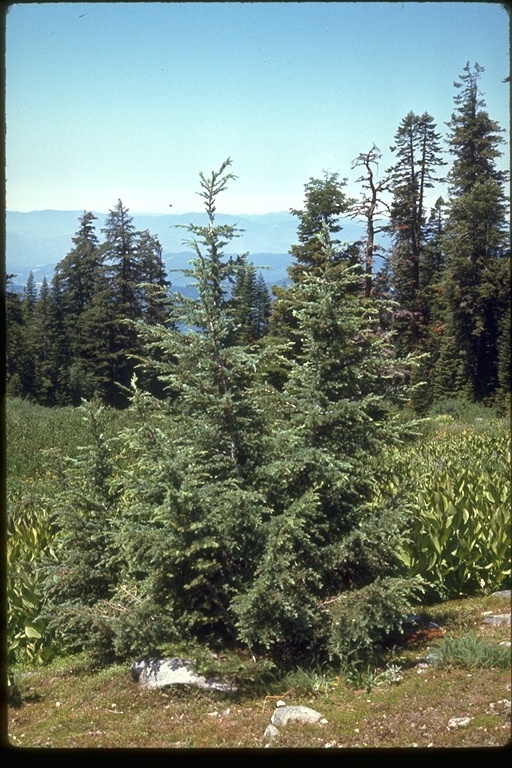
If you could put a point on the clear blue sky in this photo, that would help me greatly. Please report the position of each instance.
(133, 100)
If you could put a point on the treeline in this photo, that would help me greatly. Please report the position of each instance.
(446, 275)
(76, 338)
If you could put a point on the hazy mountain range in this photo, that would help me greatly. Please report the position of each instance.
(36, 241)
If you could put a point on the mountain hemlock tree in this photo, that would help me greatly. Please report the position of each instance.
(14, 340)
(121, 259)
(251, 302)
(323, 542)
(79, 271)
(477, 246)
(44, 330)
(28, 371)
(189, 519)
(324, 204)
(238, 513)
(78, 280)
(418, 152)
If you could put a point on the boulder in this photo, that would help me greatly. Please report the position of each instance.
(161, 673)
(497, 619)
(284, 715)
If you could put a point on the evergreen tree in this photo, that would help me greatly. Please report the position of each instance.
(324, 204)
(153, 286)
(121, 258)
(30, 296)
(62, 348)
(14, 340)
(418, 156)
(137, 290)
(78, 281)
(28, 374)
(477, 245)
(251, 302)
(262, 306)
(203, 513)
(318, 472)
(79, 272)
(44, 344)
(238, 511)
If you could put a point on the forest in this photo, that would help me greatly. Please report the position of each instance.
(262, 469)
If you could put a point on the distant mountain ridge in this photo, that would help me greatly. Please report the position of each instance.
(37, 240)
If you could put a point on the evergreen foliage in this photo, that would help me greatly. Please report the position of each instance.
(418, 151)
(476, 280)
(75, 339)
(235, 509)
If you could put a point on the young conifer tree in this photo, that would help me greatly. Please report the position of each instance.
(201, 510)
(239, 511)
(322, 540)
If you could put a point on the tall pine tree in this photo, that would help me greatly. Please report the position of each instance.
(477, 245)
(418, 152)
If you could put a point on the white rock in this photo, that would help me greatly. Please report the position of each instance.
(458, 722)
(299, 714)
(270, 732)
(160, 673)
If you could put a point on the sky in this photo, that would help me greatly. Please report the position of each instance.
(131, 101)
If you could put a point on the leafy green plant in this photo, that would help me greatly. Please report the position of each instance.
(469, 652)
(457, 488)
(29, 538)
(315, 678)
(368, 677)
(361, 678)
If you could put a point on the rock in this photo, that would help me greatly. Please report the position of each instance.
(160, 673)
(497, 619)
(503, 593)
(270, 732)
(458, 722)
(284, 715)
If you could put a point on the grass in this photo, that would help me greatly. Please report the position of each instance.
(65, 705)
(33, 432)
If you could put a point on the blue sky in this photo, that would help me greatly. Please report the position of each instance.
(133, 100)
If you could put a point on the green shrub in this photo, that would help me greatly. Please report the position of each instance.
(362, 619)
